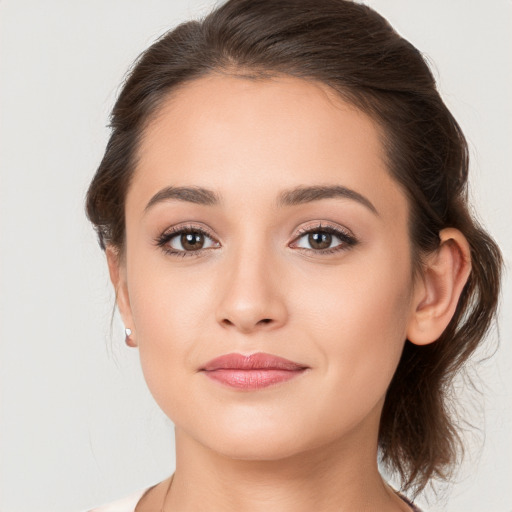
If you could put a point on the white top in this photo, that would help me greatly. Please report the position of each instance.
(127, 504)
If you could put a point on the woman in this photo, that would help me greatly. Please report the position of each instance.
(283, 208)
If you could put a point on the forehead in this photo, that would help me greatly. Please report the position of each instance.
(280, 112)
(243, 136)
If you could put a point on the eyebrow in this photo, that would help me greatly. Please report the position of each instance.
(308, 194)
(197, 195)
(293, 197)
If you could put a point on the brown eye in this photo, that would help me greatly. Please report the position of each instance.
(192, 241)
(185, 241)
(324, 239)
(320, 240)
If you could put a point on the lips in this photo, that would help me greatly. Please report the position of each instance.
(251, 372)
(259, 361)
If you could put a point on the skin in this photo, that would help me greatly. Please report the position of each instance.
(259, 286)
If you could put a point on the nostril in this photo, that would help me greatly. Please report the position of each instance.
(246, 326)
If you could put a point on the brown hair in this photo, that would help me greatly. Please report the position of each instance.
(354, 50)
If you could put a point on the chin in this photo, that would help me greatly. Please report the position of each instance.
(260, 443)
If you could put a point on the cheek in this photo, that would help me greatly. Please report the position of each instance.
(358, 320)
(172, 310)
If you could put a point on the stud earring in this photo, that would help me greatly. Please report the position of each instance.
(129, 342)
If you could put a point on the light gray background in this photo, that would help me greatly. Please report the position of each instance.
(77, 425)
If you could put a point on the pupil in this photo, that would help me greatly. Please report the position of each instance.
(320, 240)
(192, 241)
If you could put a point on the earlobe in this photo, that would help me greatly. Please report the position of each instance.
(117, 273)
(438, 290)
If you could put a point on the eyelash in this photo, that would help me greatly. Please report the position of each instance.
(346, 238)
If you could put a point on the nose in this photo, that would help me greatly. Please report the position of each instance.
(252, 294)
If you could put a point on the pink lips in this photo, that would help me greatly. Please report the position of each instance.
(251, 372)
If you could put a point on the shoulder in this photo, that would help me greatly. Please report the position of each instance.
(126, 504)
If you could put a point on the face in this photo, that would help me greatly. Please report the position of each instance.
(299, 248)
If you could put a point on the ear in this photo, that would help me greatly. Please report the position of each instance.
(117, 271)
(438, 289)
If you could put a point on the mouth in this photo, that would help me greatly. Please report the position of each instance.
(252, 372)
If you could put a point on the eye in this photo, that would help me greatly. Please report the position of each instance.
(185, 241)
(324, 239)
(193, 240)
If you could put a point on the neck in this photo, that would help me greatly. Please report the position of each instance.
(338, 476)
